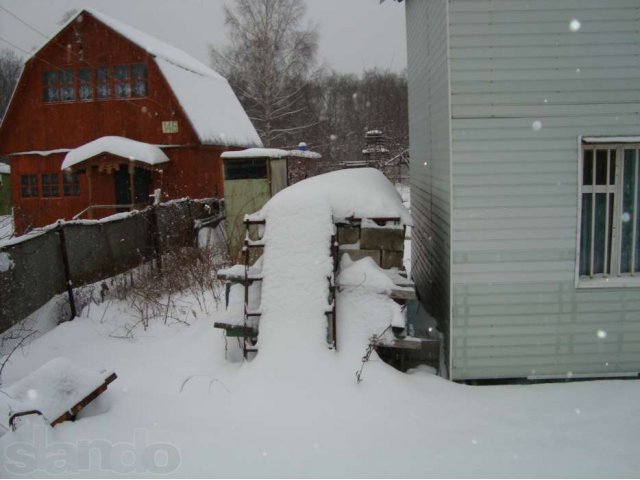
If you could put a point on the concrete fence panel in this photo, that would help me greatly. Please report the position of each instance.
(32, 268)
(30, 274)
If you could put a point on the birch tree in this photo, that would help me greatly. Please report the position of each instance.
(269, 63)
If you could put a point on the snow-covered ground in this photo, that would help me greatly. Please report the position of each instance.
(175, 391)
(179, 408)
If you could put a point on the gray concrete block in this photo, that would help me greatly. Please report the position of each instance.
(359, 254)
(348, 235)
(390, 239)
(391, 259)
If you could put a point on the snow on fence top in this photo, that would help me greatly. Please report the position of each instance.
(120, 146)
(205, 96)
(4, 168)
(357, 192)
(271, 153)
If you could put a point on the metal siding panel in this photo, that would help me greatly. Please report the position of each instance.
(429, 123)
(532, 6)
(515, 306)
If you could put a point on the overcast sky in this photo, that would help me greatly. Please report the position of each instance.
(354, 34)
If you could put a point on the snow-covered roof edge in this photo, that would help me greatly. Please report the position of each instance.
(153, 45)
(235, 129)
(270, 153)
(120, 146)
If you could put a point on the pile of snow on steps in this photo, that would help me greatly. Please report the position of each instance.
(296, 263)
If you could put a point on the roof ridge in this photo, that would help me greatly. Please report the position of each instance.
(162, 49)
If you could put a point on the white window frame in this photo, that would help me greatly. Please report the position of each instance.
(613, 279)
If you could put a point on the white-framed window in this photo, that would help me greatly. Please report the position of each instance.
(609, 226)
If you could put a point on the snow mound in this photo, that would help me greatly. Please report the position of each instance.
(120, 146)
(358, 192)
(297, 266)
(365, 273)
(53, 388)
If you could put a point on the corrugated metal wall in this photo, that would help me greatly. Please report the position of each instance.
(430, 152)
(513, 63)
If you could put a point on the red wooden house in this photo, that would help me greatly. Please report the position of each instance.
(98, 77)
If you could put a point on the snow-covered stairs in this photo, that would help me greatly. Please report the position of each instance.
(296, 264)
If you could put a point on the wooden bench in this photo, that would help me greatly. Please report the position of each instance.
(57, 391)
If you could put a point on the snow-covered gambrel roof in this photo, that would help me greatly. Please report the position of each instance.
(206, 97)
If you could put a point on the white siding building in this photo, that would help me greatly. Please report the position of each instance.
(524, 135)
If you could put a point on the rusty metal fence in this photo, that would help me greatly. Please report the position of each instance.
(38, 266)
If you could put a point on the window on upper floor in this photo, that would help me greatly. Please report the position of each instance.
(130, 80)
(609, 247)
(67, 86)
(87, 84)
(29, 186)
(103, 85)
(51, 86)
(139, 76)
(58, 86)
(122, 81)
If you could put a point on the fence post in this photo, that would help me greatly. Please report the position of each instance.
(155, 234)
(67, 270)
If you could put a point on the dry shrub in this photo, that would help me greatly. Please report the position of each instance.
(185, 281)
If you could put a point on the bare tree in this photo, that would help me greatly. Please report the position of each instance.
(10, 66)
(346, 106)
(269, 64)
(67, 15)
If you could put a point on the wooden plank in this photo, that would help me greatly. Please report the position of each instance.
(237, 330)
(75, 409)
(239, 278)
(403, 294)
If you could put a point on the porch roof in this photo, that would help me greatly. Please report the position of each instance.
(132, 150)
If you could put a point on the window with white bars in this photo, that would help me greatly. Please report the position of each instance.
(609, 246)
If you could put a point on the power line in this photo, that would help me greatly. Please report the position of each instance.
(22, 21)
(29, 53)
